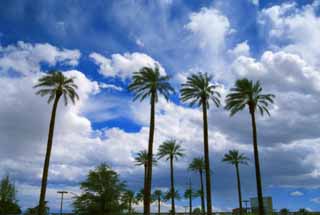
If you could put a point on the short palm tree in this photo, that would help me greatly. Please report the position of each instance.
(235, 158)
(129, 199)
(249, 94)
(197, 165)
(171, 150)
(55, 85)
(140, 195)
(142, 160)
(148, 82)
(199, 91)
(158, 196)
(189, 194)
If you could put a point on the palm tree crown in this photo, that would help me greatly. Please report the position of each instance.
(248, 93)
(198, 90)
(142, 158)
(55, 84)
(148, 81)
(196, 164)
(170, 149)
(235, 158)
(157, 194)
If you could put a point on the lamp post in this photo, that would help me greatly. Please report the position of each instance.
(61, 204)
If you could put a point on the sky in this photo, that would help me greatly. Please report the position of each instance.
(103, 43)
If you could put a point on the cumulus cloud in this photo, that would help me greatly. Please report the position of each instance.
(296, 193)
(26, 58)
(123, 66)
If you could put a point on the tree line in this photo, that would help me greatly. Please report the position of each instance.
(199, 91)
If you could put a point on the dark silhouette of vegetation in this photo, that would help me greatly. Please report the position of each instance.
(249, 94)
(158, 196)
(34, 211)
(235, 158)
(128, 199)
(8, 201)
(197, 165)
(284, 211)
(55, 85)
(171, 151)
(189, 194)
(148, 82)
(101, 193)
(199, 91)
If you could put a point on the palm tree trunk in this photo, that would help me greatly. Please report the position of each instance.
(159, 201)
(203, 209)
(190, 204)
(173, 210)
(147, 188)
(256, 161)
(47, 158)
(206, 157)
(239, 189)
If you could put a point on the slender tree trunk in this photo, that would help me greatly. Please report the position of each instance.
(190, 203)
(47, 158)
(203, 209)
(206, 157)
(173, 209)
(147, 188)
(239, 189)
(256, 161)
(159, 202)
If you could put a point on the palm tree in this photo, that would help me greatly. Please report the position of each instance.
(158, 196)
(128, 200)
(148, 82)
(142, 160)
(197, 165)
(198, 91)
(189, 194)
(235, 158)
(55, 85)
(140, 195)
(171, 151)
(249, 94)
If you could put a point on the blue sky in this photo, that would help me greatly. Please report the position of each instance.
(104, 42)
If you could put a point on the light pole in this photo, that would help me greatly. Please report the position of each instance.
(61, 204)
(246, 202)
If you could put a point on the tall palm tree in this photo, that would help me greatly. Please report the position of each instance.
(55, 85)
(249, 94)
(235, 158)
(189, 194)
(142, 160)
(171, 150)
(148, 82)
(158, 196)
(199, 91)
(197, 165)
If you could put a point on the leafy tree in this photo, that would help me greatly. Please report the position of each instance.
(148, 82)
(101, 193)
(171, 151)
(128, 199)
(55, 85)
(197, 165)
(284, 211)
(189, 194)
(199, 91)
(197, 211)
(249, 94)
(235, 158)
(303, 211)
(34, 211)
(158, 196)
(8, 202)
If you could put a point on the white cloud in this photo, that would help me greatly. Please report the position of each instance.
(125, 65)
(296, 193)
(26, 58)
(241, 49)
(110, 86)
(315, 200)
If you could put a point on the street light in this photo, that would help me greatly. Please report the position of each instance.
(61, 204)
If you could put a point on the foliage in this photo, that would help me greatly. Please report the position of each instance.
(248, 93)
(8, 202)
(197, 164)
(148, 81)
(102, 192)
(55, 84)
(197, 211)
(303, 211)
(284, 211)
(170, 149)
(142, 158)
(34, 211)
(198, 90)
(168, 195)
(235, 158)
(157, 194)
